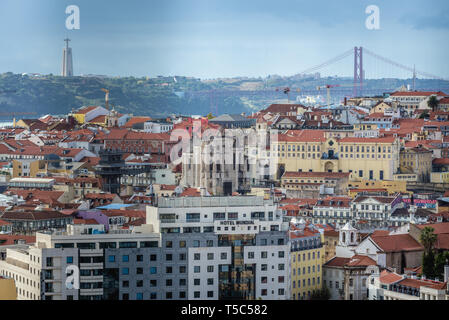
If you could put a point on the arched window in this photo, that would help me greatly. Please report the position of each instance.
(352, 236)
(344, 236)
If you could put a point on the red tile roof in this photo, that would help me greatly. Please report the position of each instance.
(361, 261)
(389, 277)
(396, 242)
(337, 262)
(85, 110)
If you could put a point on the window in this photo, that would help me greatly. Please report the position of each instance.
(139, 296)
(210, 256)
(168, 257)
(223, 255)
(250, 255)
(69, 259)
(196, 269)
(196, 294)
(153, 270)
(196, 282)
(182, 244)
(153, 257)
(210, 281)
(168, 282)
(263, 254)
(196, 256)
(169, 244)
(139, 283)
(125, 284)
(125, 258)
(111, 258)
(125, 271)
(139, 258)
(210, 268)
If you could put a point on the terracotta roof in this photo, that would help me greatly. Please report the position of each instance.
(441, 161)
(32, 215)
(283, 108)
(389, 277)
(331, 233)
(190, 192)
(396, 242)
(438, 228)
(418, 283)
(359, 261)
(9, 239)
(99, 119)
(337, 262)
(306, 135)
(85, 221)
(108, 196)
(85, 110)
(135, 120)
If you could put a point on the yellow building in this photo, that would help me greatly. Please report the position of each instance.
(380, 107)
(8, 289)
(29, 168)
(330, 242)
(416, 160)
(306, 260)
(389, 186)
(310, 150)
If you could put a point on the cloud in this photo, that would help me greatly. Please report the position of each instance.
(439, 21)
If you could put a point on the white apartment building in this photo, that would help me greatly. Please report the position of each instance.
(248, 250)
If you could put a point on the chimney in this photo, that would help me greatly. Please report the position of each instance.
(446, 272)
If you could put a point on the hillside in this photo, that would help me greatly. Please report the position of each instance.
(161, 96)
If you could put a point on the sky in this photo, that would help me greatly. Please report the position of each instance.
(221, 38)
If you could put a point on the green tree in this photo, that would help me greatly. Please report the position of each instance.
(428, 264)
(433, 103)
(424, 114)
(441, 259)
(428, 238)
(322, 294)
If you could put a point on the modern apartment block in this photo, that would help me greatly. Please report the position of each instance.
(190, 248)
(240, 245)
(42, 270)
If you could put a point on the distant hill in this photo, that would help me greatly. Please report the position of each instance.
(161, 96)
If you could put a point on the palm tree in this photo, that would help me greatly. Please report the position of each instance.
(428, 239)
(432, 103)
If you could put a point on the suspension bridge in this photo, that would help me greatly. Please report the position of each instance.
(370, 74)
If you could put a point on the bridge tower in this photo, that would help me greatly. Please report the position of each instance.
(358, 71)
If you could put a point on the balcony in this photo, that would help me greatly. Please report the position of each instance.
(168, 220)
(193, 220)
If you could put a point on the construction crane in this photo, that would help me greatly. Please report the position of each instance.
(106, 98)
(328, 88)
(286, 91)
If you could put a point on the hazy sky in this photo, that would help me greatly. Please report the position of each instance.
(211, 38)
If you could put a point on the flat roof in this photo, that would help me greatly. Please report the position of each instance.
(38, 180)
